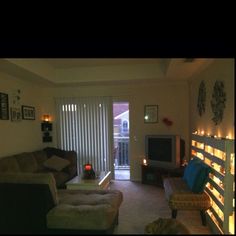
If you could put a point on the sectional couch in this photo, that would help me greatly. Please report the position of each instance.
(37, 162)
(33, 198)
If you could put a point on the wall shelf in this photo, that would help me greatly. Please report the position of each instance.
(218, 153)
(46, 128)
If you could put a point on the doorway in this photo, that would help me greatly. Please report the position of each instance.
(121, 126)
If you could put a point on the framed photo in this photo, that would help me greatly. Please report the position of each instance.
(150, 113)
(15, 114)
(28, 113)
(4, 110)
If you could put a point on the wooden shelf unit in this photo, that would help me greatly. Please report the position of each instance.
(219, 154)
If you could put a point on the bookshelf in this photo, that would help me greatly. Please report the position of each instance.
(219, 154)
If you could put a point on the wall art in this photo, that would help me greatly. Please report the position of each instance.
(28, 113)
(218, 102)
(201, 102)
(4, 110)
(150, 113)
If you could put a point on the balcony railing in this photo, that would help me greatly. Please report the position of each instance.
(121, 152)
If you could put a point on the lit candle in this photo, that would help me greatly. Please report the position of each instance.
(144, 161)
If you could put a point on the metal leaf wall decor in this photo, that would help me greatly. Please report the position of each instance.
(201, 98)
(218, 102)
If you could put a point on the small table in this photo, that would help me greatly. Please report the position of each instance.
(101, 182)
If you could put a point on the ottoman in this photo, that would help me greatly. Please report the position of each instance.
(85, 211)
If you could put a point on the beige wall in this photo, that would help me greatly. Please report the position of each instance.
(176, 100)
(172, 99)
(24, 135)
(220, 69)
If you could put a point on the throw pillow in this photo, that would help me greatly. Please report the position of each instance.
(56, 163)
(54, 151)
(198, 177)
(188, 168)
(201, 179)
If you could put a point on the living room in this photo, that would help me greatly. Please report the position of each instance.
(172, 84)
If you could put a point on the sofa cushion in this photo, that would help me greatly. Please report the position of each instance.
(54, 151)
(26, 162)
(56, 163)
(40, 157)
(188, 168)
(85, 209)
(9, 165)
(199, 177)
(61, 178)
(32, 178)
(196, 175)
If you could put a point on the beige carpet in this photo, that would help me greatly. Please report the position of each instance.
(145, 203)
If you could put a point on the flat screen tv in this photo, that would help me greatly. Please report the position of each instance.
(163, 150)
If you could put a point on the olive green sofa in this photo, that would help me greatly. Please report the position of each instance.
(35, 162)
(30, 203)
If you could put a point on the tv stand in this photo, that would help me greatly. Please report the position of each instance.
(154, 175)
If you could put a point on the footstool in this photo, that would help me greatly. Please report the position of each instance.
(85, 210)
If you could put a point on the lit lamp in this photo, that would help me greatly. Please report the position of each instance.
(46, 118)
(144, 161)
(88, 172)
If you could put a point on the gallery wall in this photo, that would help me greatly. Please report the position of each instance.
(20, 135)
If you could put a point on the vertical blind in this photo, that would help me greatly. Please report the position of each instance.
(85, 125)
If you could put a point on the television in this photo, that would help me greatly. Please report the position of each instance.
(163, 151)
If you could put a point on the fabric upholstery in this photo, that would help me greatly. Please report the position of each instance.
(9, 165)
(32, 178)
(199, 177)
(26, 162)
(196, 175)
(189, 167)
(179, 196)
(33, 162)
(56, 163)
(54, 151)
(85, 209)
(31, 203)
(40, 157)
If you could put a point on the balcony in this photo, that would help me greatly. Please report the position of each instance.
(121, 153)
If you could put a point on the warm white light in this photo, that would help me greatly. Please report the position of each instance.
(144, 161)
(146, 117)
(202, 133)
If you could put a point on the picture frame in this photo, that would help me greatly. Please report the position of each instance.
(151, 114)
(4, 109)
(15, 114)
(28, 112)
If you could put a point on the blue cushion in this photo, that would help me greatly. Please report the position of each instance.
(188, 168)
(201, 179)
(198, 176)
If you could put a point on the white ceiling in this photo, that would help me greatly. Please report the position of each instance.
(93, 71)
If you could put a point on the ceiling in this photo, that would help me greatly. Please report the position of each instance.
(94, 71)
